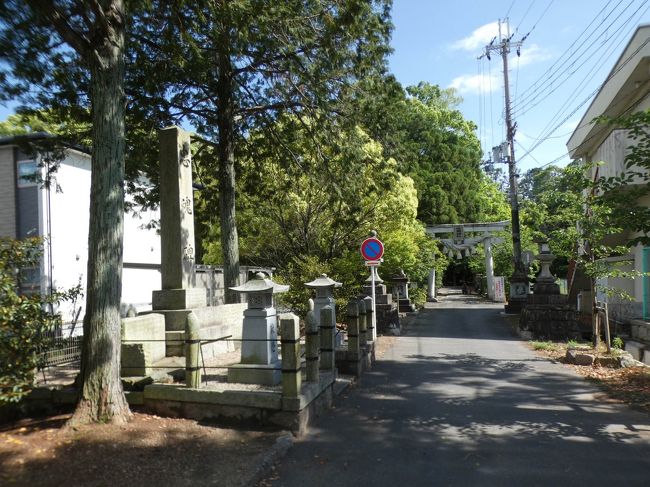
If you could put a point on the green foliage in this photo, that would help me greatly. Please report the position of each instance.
(24, 318)
(311, 219)
(617, 343)
(422, 129)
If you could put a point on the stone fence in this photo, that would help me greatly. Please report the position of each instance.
(308, 365)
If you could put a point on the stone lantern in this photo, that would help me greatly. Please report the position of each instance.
(401, 285)
(259, 349)
(545, 283)
(324, 287)
(401, 291)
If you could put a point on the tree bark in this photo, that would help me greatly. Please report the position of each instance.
(226, 152)
(102, 397)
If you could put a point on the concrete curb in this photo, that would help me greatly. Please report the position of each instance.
(276, 452)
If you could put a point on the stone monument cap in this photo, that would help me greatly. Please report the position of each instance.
(323, 281)
(259, 284)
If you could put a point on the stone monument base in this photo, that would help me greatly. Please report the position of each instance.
(550, 317)
(515, 306)
(169, 299)
(268, 375)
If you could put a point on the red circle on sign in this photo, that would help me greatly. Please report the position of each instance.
(372, 249)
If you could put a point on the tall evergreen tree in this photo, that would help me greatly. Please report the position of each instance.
(229, 66)
(49, 50)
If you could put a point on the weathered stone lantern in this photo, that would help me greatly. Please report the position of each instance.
(259, 349)
(401, 285)
(401, 291)
(324, 287)
(545, 283)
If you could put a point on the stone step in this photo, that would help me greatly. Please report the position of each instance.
(639, 350)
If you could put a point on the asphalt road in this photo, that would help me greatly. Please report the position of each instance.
(459, 401)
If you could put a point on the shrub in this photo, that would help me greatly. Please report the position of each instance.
(24, 318)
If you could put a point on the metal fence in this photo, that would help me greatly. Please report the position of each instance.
(61, 351)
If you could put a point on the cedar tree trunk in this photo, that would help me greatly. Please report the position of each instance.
(102, 397)
(226, 151)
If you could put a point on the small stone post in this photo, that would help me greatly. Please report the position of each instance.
(431, 285)
(353, 328)
(363, 325)
(290, 342)
(192, 351)
(372, 331)
(327, 332)
(312, 345)
(489, 267)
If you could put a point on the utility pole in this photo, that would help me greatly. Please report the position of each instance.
(519, 279)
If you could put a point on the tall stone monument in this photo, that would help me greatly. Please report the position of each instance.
(177, 224)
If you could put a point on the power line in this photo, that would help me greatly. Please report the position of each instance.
(524, 16)
(551, 68)
(611, 76)
(526, 103)
(602, 59)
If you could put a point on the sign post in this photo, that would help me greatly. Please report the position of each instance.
(372, 250)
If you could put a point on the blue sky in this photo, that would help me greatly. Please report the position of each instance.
(570, 49)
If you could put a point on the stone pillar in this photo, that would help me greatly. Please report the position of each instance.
(353, 327)
(371, 333)
(312, 346)
(192, 352)
(489, 267)
(363, 324)
(327, 332)
(176, 224)
(431, 287)
(291, 373)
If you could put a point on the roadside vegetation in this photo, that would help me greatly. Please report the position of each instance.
(630, 385)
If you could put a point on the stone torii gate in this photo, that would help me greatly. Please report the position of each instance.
(465, 237)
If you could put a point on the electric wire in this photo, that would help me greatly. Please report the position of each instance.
(554, 67)
(541, 139)
(530, 6)
(600, 61)
(534, 100)
(545, 132)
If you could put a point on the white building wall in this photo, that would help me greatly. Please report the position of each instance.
(141, 246)
(70, 210)
(69, 200)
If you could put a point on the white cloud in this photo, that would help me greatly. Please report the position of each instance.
(479, 38)
(475, 84)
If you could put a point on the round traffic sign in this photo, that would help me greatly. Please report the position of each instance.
(372, 249)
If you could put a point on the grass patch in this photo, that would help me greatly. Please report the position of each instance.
(542, 345)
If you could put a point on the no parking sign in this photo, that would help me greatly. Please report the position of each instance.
(372, 249)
